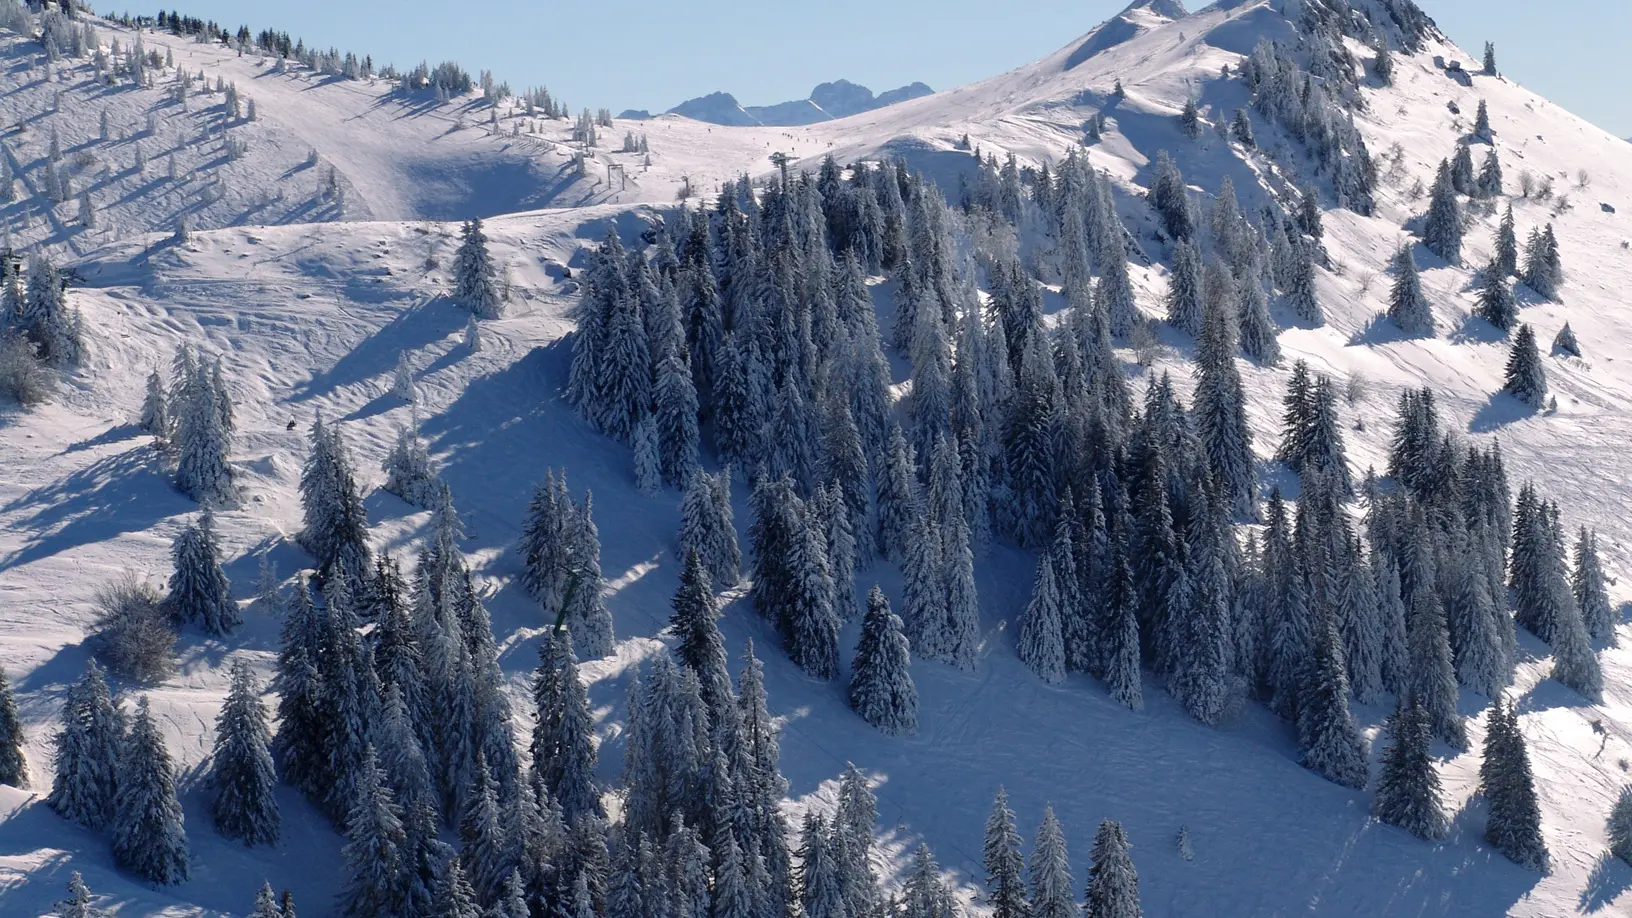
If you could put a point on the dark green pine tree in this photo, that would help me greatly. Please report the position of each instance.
(1408, 787)
(1005, 880)
(13, 764)
(1514, 826)
(1497, 303)
(1506, 257)
(1526, 378)
(1442, 230)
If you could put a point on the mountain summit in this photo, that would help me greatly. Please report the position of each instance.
(827, 102)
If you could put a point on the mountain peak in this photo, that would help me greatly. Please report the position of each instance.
(828, 101)
(1167, 9)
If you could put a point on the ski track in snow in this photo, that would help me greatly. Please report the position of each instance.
(311, 316)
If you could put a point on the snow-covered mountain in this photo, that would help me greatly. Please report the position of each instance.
(828, 101)
(311, 289)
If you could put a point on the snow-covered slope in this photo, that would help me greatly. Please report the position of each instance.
(311, 316)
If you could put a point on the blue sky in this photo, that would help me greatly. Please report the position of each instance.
(652, 55)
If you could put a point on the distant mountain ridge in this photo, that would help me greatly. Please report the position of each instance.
(828, 101)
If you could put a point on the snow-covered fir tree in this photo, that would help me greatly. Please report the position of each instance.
(1053, 892)
(1005, 881)
(1514, 825)
(373, 850)
(1407, 306)
(13, 763)
(1587, 583)
(881, 686)
(1620, 826)
(199, 591)
(148, 835)
(1565, 343)
(475, 278)
(244, 805)
(1525, 378)
(1184, 292)
(1113, 883)
(1496, 303)
(1330, 740)
(203, 436)
(410, 472)
(1543, 271)
(155, 418)
(1042, 643)
(563, 744)
(88, 753)
(1408, 790)
(402, 380)
(1506, 255)
(336, 522)
(77, 904)
(676, 399)
(644, 447)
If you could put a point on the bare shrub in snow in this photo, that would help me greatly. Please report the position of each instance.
(24, 379)
(134, 635)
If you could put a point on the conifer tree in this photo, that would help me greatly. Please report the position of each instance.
(1526, 379)
(336, 522)
(1472, 617)
(13, 764)
(1042, 644)
(1620, 826)
(676, 399)
(706, 527)
(199, 591)
(1408, 793)
(454, 898)
(881, 686)
(1432, 677)
(1574, 663)
(244, 806)
(563, 740)
(1488, 184)
(1506, 257)
(78, 902)
(475, 284)
(1005, 884)
(1258, 332)
(88, 753)
(1113, 883)
(810, 625)
(300, 744)
(898, 509)
(410, 472)
(373, 850)
(1462, 170)
(1587, 583)
(1184, 292)
(1497, 303)
(1407, 306)
(1331, 743)
(700, 645)
(1300, 282)
(155, 417)
(1514, 826)
(1220, 399)
(266, 903)
(1121, 651)
(644, 447)
(1565, 343)
(149, 839)
(1052, 886)
(203, 438)
(1442, 230)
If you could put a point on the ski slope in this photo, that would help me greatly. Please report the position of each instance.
(311, 315)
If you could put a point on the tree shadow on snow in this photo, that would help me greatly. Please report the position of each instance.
(412, 329)
(1609, 878)
(125, 492)
(1380, 330)
(1502, 409)
(1477, 331)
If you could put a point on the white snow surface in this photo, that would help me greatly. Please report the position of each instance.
(311, 316)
